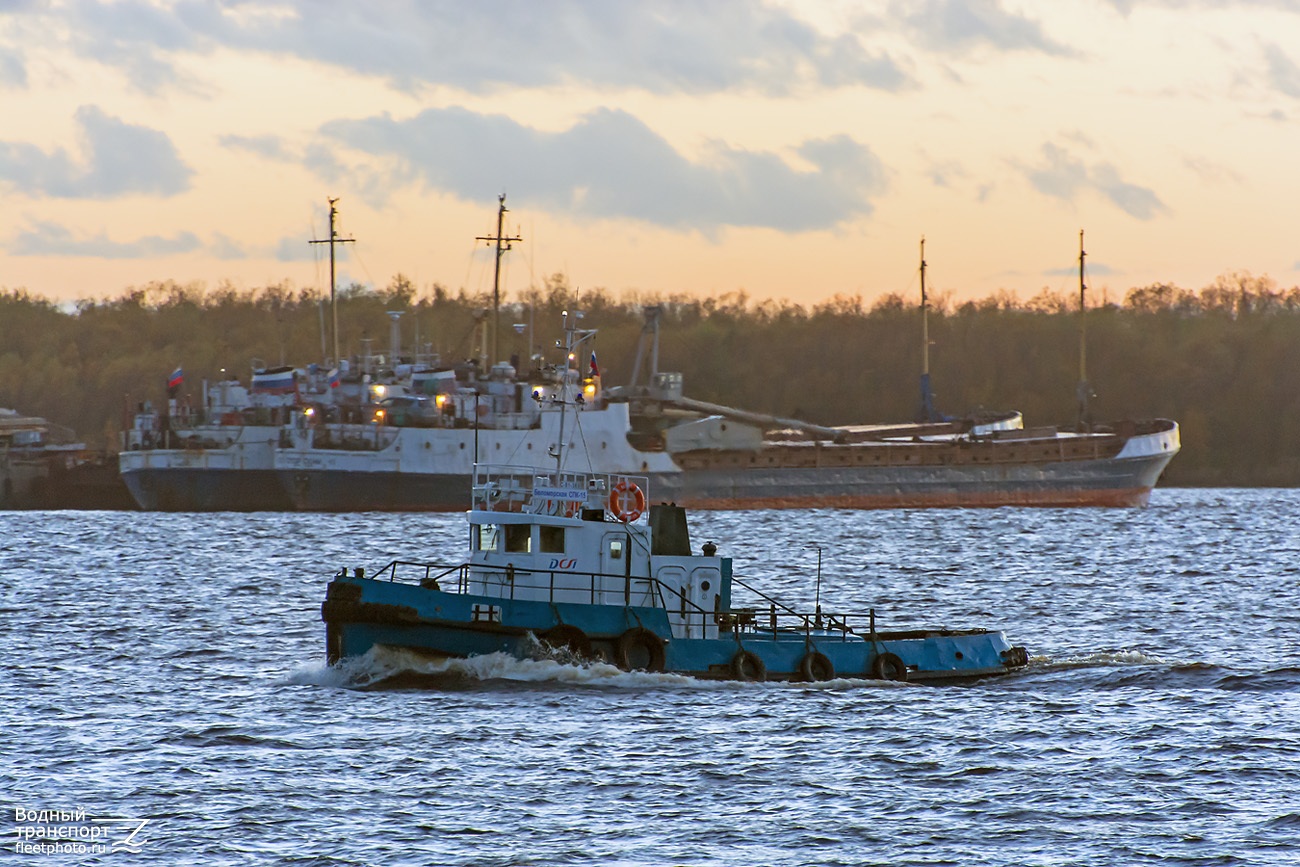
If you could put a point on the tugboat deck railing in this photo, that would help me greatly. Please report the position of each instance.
(775, 620)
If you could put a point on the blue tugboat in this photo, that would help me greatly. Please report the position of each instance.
(579, 563)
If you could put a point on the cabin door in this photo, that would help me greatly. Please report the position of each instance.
(619, 564)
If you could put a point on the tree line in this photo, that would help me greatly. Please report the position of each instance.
(1223, 361)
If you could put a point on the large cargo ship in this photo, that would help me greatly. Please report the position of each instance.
(706, 456)
(401, 434)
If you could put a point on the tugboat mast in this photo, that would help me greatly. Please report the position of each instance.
(573, 338)
(332, 240)
(503, 243)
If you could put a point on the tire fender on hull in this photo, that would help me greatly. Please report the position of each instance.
(748, 666)
(887, 666)
(570, 639)
(640, 649)
(816, 667)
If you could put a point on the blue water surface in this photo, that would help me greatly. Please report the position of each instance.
(168, 669)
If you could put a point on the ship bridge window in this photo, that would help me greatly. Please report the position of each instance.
(550, 539)
(487, 537)
(519, 538)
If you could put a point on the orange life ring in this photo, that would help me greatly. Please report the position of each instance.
(626, 501)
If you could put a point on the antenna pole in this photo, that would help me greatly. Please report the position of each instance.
(573, 338)
(564, 393)
(503, 243)
(818, 597)
(332, 240)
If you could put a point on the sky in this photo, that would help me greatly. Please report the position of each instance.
(791, 150)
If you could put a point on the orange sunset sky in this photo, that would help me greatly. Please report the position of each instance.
(792, 150)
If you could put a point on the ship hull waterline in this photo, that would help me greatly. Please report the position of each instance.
(175, 489)
(1104, 483)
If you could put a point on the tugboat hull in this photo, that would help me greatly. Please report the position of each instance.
(363, 614)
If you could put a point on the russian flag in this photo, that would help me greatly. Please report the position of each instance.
(333, 378)
(277, 380)
(175, 380)
(595, 370)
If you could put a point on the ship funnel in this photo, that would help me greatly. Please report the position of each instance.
(669, 535)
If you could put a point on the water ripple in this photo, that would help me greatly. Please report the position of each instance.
(169, 667)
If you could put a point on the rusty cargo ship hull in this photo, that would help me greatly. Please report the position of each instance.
(910, 466)
(1116, 468)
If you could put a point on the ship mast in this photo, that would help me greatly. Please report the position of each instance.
(925, 319)
(925, 412)
(503, 243)
(332, 240)
(1082, 391)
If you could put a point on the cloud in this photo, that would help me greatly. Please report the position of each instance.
(1063, 175)
(1126, 7)
(961, 26)
(119, 159)
(225, 247)
(294, 249)
(138, 38)
(944, 173)
(669, 46)
(51, 239)
(1091, 270)
(611, 165)
(269, 146)
(1212, 171)
(1283, 74)
(13, 73)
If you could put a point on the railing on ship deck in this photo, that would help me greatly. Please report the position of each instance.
(772, 620)
(505, 488)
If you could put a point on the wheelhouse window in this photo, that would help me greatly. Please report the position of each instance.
(550, 539)
(487, 537)
(519, 538)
